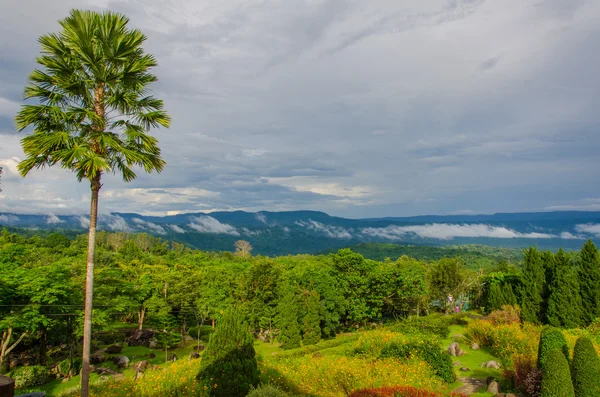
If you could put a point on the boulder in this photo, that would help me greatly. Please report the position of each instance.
(140, 337)
(121, 361)
(200, 347)
(491, 364)
(455, 350)
(194, 355)
(493, 387)
(489, 380)
(153, 343)
(151, 355)
(97, 358)
(465, 369)
(475, 346)
(172, 357)
(140, 366)
(457, 364)
(113, 349)
(106, 371)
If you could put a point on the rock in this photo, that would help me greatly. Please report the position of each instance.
(475, 346)
(97, 358)
(489, 380)
(317, 355)
(152, 344)
(113, 349)
(140, 366)
(458, 337)
(455, 350)
(200, 347)
(465, 369)
(493, 387)
(457, 364)
(121, 361)
(492, 364)
(105, 371)
(194, 355)
(172, 357)
(140, 337)
(151, 355)
(65, 380)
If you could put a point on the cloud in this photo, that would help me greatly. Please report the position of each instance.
(116, 223)
(250, 232)
(208, 224)
(152, 227)
(570, 236)
(447, 231)
(53, 220)
(589, 228)
(328, 230)
(84, 221)
(9, 218)
(261, 217)
(176, 229)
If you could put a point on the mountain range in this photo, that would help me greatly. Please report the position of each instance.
(292, 232)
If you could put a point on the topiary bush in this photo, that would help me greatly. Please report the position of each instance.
(34, 375)
(585, 369)
(229, 367)
(267, 391)
(551, 338)
(556, 376)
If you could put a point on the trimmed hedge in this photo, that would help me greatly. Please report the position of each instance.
(585, 369)
(556, 376)
(551, 338)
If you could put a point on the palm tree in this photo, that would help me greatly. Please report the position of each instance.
(93, 116)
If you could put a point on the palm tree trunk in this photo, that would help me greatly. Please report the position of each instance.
(89, 286)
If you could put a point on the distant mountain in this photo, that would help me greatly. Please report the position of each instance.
(291, 232)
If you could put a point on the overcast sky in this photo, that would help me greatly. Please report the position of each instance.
(357, 108)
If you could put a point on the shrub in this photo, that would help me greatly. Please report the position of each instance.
(229, 366)
(585, 369)
(205, 332)
(556, 377)
(400, 391)
(479, 332)
(65, 368)
(507, 315)
(551, 338)
(34, 375)
(527, 376)
(432, 325)
(267, 391)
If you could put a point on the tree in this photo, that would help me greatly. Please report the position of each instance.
(229, 366)
(556, 376)
(242, 248)
(93, 115)
(311, 330)
(585, 369)
(564, 303)
(508, 296)
(589, 282)
(495, 298)
(548, 259)
(287, 320)
(533, 286)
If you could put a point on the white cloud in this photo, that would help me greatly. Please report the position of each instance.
(176, 229)
(153, 227)
(261, 217)
(53, 220)
(116, 223)
(84, 222)
(570, 236)
(208, 224)
(446, 231)
(9, 218)
(329, 230)
(249, 232)
(589, 228)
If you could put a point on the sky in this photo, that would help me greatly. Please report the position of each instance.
(352, 107)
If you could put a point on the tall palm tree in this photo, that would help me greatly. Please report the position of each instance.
(93, 116)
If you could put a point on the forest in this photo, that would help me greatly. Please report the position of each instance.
(181, 296)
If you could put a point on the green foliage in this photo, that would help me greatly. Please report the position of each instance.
(436, 325)
(556, 377)
(589, 282)
(287, 320)
(68, 367)
(267, 391)
(508, 296)
(494, 299)
(34, 375)
(311, 330)
(533, 286)
(550, 339)
(585, 369)
(564, 302)
(229, 367)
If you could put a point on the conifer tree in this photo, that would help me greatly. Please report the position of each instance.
(311, 324)
(495, 299)
(549, 266)
(533, 286)
(229, 367)
(287, 319)
(508, 295)
(564, 303)
(589, 282)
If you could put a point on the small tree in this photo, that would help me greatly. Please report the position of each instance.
(494, 299)
(533, 286)
(589, 281)
(556, 377)
(311, 323)
(585, 369)
(242, 248)
(508, 295)
(229, 367)
(564, 303)
(287, 320)
(551, 338)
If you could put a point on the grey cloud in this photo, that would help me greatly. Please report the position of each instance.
(8, 218)
(145, 225)
(589, 228)
(53, 220)
(176, 229)
(489, 63)
(208, 224)
(328, 230)
(443, 231)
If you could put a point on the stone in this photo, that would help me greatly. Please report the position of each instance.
(65, 380)
(489, 380)
(97, 358)
(194, 355)
(455, 350)
(151, 355)
(113, 349)
(458, 337)
(200, 347)
(172, 357)
(105, 371)
(475, 346)
(457, 364)
(140, 337)
(140, 366)
(465, 369)
(121, 361)
(492, 364)
(493, 387)
(153, 344)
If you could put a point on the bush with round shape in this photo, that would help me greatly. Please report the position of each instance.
(585, 369)
(29, 376)
(267, 391)
(229, 367)
(556, 376)
(551, 338)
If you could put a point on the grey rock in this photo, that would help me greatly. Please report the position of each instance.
(465, 369)
(113, 349)
(121, 361)
(475, 346)
(194, 355)
(493, 387)
(140, 366)
(457, 364)
(455, 350)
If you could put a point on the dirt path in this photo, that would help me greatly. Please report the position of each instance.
(470, 385)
